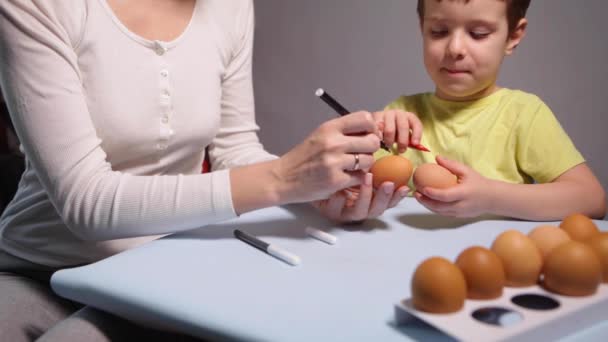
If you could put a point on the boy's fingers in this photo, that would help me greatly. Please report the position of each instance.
(403, 124)
(431, 204)
(458, 169)
(390, 128)
(442, 195)
(416, 128)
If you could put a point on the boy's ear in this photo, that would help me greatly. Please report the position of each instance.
(516, 36)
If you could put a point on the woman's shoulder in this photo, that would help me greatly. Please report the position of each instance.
(65, 17)
(51, 10)
(230, 5)
(228, 12)
(233, 19)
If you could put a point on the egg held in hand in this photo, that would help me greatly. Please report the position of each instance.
(393, 168)
(483, 272)
(572, 269)
(438, 286)
(520, 257)
(433, 176)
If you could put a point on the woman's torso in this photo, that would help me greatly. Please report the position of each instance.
(155, 107)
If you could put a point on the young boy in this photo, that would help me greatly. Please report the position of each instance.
(509, 152)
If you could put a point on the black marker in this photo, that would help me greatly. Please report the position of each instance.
(337, 107)
(343, 111)
(331, 102)
(267, 248)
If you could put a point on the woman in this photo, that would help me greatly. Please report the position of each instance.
(116, 103)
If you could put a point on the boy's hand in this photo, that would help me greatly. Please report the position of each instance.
(470, 198)
(400, 127)
(360, 203)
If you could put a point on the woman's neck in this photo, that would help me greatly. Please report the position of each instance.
(153, 19)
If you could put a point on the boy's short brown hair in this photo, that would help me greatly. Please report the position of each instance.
(516, 10)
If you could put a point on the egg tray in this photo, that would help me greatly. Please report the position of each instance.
(501, 319)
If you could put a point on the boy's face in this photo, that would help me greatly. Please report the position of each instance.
(464, 46)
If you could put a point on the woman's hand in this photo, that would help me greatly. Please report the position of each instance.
(397, 126)
(470, 198)
(360, 203)
(335, 156)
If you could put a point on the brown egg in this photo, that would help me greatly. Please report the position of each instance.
(572, 269)
(579, 227)
(438, 286)
(520, 257)
(483, 272)
(599, 244)
(434, 176)
(396, 169)
(547, 237)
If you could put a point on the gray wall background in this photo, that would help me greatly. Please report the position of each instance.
(366, 53)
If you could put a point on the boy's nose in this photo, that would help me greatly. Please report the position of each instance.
(456, 46)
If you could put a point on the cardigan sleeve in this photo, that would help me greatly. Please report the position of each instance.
(237, 142)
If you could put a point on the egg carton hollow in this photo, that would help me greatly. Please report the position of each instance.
(572, 314)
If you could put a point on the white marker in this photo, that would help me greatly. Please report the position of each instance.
(321, 235)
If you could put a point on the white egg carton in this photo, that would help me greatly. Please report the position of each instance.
(573, 314)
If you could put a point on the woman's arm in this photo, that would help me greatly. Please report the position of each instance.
(237, 143)
(42, 83)
(313, 170)
(41, 78)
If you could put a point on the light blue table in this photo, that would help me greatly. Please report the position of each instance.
(207, 283)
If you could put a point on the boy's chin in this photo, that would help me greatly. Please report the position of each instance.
(461, 94)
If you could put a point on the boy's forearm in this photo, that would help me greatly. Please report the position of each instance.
(548, 201)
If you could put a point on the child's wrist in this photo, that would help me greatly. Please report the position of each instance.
(492, 196)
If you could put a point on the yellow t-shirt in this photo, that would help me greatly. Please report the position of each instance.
(509, 135)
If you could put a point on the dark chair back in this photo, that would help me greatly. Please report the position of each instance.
(12, 163)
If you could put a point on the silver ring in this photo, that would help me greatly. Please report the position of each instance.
(356, 166)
